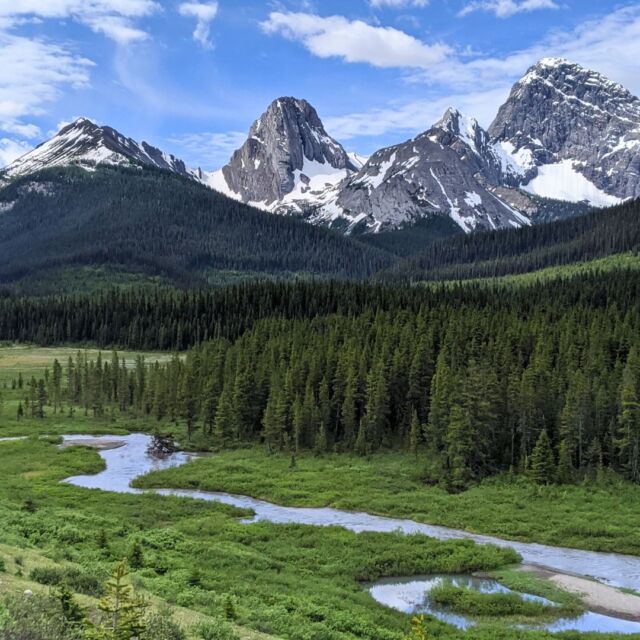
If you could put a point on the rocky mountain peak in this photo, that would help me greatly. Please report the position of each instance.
(287, 147)
(85, 143)
(560, 112)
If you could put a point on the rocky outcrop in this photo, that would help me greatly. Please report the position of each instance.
(452, 169)
(561, 111)
(287, 146)
(87, 144)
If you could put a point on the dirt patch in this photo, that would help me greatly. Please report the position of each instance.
(100, 444)
(596, 596)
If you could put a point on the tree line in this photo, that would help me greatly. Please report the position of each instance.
(477, 382)
(163, 224)
(600, 233)
(176, 320)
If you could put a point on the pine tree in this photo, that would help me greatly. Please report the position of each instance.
(543, 468)
(460, 448)
(575, 417)
(629, 421)
(136, 556)
(442, 395)
(362, 447)
(321, 444)
(224, 424)
(122, 612)
(566, 472)
(377, 407)
(414, 434)
(56, 381)
(274, 418)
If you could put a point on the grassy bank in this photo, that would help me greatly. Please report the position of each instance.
(289, 581)
(28, 361)
(597, 516)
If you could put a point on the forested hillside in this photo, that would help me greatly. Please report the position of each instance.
(597, 234)
(159, 223)
(544, 378)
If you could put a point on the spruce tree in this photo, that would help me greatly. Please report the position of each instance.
(414, 434)
(629, 421)
(543, 468)
(565, 473)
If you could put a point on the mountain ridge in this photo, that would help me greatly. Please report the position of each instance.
(566, 134)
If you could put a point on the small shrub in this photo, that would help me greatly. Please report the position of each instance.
(474, 603)
(73, 578)
(161, 626)
(216, 630)
(36, 617)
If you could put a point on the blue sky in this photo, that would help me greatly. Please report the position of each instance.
(190, 76)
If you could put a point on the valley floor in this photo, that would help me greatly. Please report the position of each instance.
(285, 581)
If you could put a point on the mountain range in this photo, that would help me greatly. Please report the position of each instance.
(566, 134)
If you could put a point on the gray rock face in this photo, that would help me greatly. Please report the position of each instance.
(562, 111)
(451, 169)
(288, 138)
(85, 143)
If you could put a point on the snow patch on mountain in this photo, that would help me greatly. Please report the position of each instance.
(562, 181)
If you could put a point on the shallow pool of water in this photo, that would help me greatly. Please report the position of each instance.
(411, 595)
(125, 463)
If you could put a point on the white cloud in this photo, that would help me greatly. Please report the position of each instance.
(211, 149)
(113, 18)
(610, 45)
(28, 131)
(356, 41)
(32, 74)
(508, 8)
(398, 4)
(204, 13)
(117, 28)
(414, 117)
(11, 149)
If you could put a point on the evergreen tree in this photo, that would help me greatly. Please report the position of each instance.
(122, 612)
(566, 472)
(629, 420)
(414, 434)
(543, 467)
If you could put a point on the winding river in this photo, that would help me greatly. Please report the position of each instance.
(129, 461)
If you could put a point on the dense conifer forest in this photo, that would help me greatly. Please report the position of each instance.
(601, 233)
(542, 379)
(163, 224)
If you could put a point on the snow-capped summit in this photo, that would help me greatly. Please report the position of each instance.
(87, 144)
(580, 129)
(449, 170)
(288, 155)
(565, 133)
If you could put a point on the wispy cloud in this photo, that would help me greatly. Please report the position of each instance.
(33, 73)
(204, 13)
(410, 118)
(398, 4)
(610, 44)
(11, 149)
(113, 18)
(356, 41)
(508, 8)
(213, 149)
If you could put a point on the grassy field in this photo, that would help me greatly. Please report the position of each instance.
(285, 581)
(603, 265)
(290, 581)
(32, 361)
(596, 516)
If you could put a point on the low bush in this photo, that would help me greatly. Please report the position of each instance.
(75, 579)
(216, 630)
(474, 603)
